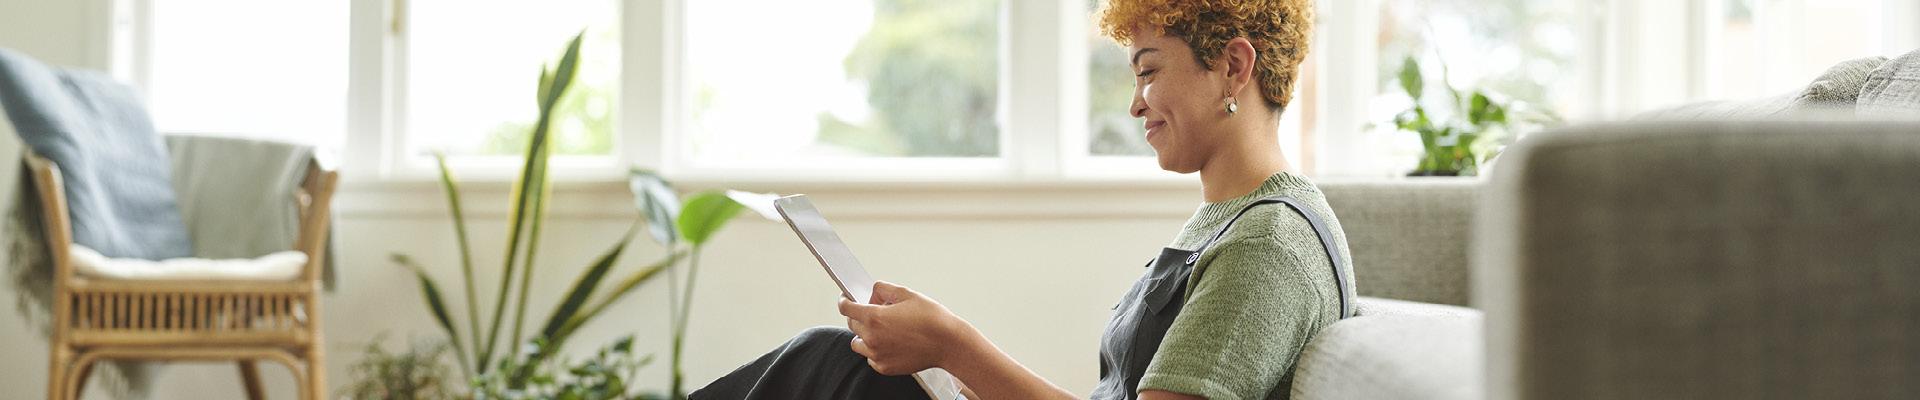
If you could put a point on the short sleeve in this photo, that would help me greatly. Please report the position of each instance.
(1253, 309)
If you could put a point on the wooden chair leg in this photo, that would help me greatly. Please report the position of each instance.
(316, 373)
(250, 376)
(57, 360)
(80, 380)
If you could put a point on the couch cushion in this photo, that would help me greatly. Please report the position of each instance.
(1408, 238)
(1840, 86)
(1394, 350)
(1893, 90)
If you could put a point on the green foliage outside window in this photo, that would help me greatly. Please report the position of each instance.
(931, 68)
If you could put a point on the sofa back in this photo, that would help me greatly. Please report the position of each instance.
(1408, 238)
(1727, 260)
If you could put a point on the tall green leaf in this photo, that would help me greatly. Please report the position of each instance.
(525, 195)
(583, 287)
(431, 292)
(704, 214)
(654, 197)
(618, 291)
(452, 190)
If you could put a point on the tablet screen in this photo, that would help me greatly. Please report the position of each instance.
(826, 246)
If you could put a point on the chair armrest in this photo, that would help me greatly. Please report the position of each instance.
(57, 228)
(316, 215)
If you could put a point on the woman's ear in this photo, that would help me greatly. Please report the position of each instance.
(1240, 59)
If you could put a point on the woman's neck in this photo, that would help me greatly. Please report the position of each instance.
(1240, 169)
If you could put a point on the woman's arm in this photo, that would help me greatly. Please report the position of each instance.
(905, 332)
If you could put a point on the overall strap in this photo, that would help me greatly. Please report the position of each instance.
(1319, 228)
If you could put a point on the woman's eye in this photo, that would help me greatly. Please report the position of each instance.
(1143, 73)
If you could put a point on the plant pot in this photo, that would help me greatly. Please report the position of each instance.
(1433, 173)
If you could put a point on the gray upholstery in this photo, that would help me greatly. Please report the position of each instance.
(1408, 238)
(1840, 86)
(1394, 350)
(1704, 260)
(1893, 90)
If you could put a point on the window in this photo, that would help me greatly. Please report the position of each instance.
(285, 78)
(914, 90)
(472, 69)
(840, 79)
(1519, 51)
(1112, 129)
(1768, 47)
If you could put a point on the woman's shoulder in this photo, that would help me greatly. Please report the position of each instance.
(1279, 224)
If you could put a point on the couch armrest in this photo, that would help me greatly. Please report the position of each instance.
(1775, 259)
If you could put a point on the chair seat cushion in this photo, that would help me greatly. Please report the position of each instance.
(281, 266)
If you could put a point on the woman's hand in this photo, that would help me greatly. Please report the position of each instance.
(904, 332)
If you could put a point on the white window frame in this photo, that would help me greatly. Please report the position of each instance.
(1043, 111)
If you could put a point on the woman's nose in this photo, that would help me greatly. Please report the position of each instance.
(1139, 106)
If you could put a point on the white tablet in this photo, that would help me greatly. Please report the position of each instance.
(846, 271)
(827, 247)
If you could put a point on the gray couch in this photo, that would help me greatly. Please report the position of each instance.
(1777, 257)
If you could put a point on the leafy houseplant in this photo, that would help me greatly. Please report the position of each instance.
(1459, 138)
(532, 373)
(476, 350)
(674, 224)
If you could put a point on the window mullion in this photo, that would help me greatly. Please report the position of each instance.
(1034, 43)
(649, 41)
(367, 145)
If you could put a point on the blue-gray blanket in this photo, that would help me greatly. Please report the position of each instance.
(117, 174)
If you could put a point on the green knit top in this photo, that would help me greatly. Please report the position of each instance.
(1254, 299)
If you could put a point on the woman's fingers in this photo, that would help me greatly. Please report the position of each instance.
(858, 328)
(888, 293)
(854, 310)
(860, 346)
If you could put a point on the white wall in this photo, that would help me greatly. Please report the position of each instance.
(1036, 268)
(60, 32)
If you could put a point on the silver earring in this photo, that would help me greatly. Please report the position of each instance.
(1232, 107)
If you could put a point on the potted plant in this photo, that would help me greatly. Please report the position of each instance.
(526, 366)
(1462, 130)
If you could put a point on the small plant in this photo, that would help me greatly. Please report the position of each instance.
(608, 375)
(419, 372)
(1474, 124)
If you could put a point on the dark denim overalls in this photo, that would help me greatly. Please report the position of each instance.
(1143, 316)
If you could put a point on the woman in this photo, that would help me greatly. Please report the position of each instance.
(1222, 313)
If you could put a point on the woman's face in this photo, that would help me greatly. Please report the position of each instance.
(1183, 104)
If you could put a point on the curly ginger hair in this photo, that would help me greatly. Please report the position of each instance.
(1280, 31)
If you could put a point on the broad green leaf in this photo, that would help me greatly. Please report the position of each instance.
(1478, 109)
(655, 199)
(760, 203)
(435, 304)
(705, 214)
(1410, 79)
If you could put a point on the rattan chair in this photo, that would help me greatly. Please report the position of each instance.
(239, 321)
